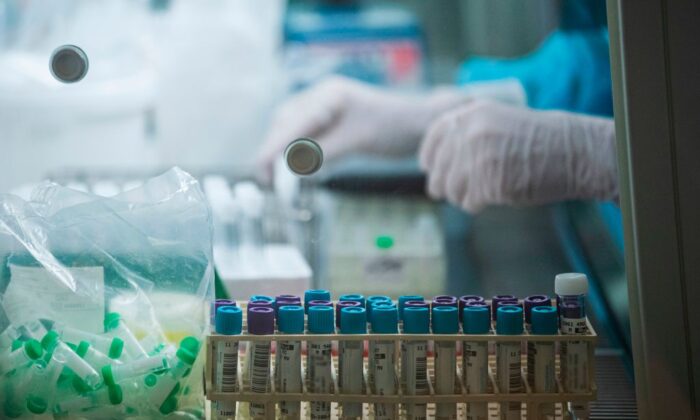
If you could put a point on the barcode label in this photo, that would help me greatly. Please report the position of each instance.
(573, 326)
(414, 372)
(226, 376)
(509, 380)
(259, 375)
(574, 366)
(288, 374)
(383, 355)
(475, 365)
(319, 367)
(225, 409)
(541, 372)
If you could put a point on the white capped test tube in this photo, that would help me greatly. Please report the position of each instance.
(319, 365)
(61, 353)
(445, 321)
(115, 326)
(113, 374)
(228, 321)
(26, 354)
(414, 358)
(509, 321)
(261, 321)
(383, 352)
(353, 320)
(475, 358)
(290, 320)
(571, 290)
(540, 358)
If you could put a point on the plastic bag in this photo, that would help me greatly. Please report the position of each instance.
(68, 259)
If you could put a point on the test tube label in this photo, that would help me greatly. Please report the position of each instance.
(350, 374)
(259, 374)
(509, 380)
(445, 377)
(541, 372)
(226, 373)
(320, 377)
(288, 374)
(475, 359)
(414, 374)
(384, 377)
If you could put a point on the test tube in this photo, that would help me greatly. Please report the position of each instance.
(228, 321)
(445, 321)
(61, 353)
(353, 320)
(533, 302)
(42, 390)
(571, 290)
(315, 294)
(353, 298)
(383, 353)
(108, 395)
(102, 343)
(261, 321)
(344, 304)
(164, 394)
(500, 298)
(113, 374)
(313, 303)
(115, 326)
(540, 359)
(445, 300)
(266, 298)
(290, 320)
(508, 359)
(218, 303)
(402, 303)
(414, 359)
(475, 358)
(463, 300)
(96, 358)
(371, 300)
(319, 359)
(26, 354)
(374, 302)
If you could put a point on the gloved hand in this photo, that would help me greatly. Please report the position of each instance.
(348, 116)
(487, 153)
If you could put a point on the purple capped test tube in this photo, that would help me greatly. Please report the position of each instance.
(500, 298)
(344, 304)
(533, 302)
(219, 303)
(463, 302)
(261, 321)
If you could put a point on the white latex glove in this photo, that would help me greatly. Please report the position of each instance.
(487, 153)
(348, 116)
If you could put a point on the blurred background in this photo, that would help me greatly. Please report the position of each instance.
(194, 84)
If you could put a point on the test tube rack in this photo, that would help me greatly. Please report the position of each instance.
(529, 398)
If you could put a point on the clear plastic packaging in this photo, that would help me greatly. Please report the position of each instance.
(70, 260)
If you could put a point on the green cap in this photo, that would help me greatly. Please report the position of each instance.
(116, 348)
(33, 349)
(80, 386)
(115, 394)
(186, 355)
(108, 375)
(36, 404)
(82, 349)
(112, 321)
(190, 343)
(384, 241)
(50, 340)
(168, 406)
(11, 410)
(150, 380)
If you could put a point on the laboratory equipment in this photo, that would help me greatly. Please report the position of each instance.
(68, 63)
(351, 356)
(228, 321)
(319, 362)
(288, 379)
(303, 156)
(475, 359)
(508, 359)
(445, 321)
(383, 354)
(541, 367)
(414, 359)
(261, 321)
